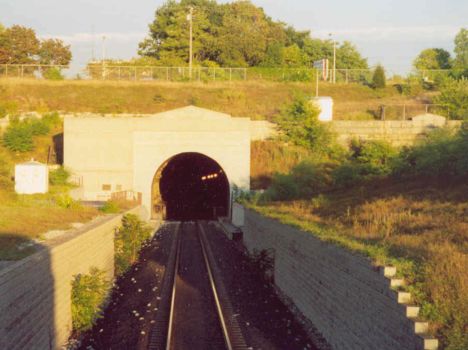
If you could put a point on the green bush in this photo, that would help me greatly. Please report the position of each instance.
(53, 74)
(305, 180)
(18, 137)
(128, 242)
(375, 157)
(347, 174)
(52, 119)
(300, 124)
(67, 202)
(444, 154)
(110, 207)
(8, 108)
(59, 176)
(378, 79)
(38, 126)
(454, 97)
(89, 292)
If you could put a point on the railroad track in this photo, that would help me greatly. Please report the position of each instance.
(195, 311)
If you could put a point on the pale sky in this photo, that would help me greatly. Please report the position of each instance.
(391, 32)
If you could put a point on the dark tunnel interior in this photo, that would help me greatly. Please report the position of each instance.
(194, 187)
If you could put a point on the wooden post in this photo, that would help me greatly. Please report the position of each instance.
(427, 108)
(214, 73)
(6, 70)
(382, 113)
(230, 74)
(245, 73)
(135, 73)
(22, 71)
(346, 72)
(404, 111)
(119, 73)
(167, 73)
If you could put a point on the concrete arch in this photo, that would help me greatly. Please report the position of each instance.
(204, 166)
(123, 153)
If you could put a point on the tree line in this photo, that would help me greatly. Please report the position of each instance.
(236, 34)
(20, 45)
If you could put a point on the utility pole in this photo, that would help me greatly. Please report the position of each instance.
(334, 58)
(103, 56)
(190, 19)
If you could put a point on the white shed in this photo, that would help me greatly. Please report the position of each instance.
(325, 103)
(31, 177)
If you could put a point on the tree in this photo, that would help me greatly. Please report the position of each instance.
(54, 51)
(432, 59)
(18, 45)
(236, 34)
(378, 79)
(461, 50)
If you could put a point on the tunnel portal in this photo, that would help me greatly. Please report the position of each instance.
(192, 186)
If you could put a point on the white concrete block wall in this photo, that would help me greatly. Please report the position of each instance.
(35, 293)
(347, 298)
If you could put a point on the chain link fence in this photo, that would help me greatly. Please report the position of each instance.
(100, 71)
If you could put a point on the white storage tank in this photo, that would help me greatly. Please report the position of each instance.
(325, 103)
(31, 177)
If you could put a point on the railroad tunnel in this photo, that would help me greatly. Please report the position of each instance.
(190, 186)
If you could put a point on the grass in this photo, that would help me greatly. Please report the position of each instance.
(254, 99)
(420, 227)
(27, 217)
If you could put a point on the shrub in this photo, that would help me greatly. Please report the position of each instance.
(443, 154)
(128, 241)
(59, 176)
(67, 202)
(378, 79)
(38, 126)
(110, 207)
(283, 187)
(300, 124)
(89, 292)
(454, 96)
(8, 108)
(52, 119)
(347, 174)
(375, 157)
(18, 137)
(53, 73)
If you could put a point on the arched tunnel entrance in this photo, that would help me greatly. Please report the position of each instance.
(190, 186)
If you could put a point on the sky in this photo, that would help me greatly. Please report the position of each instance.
(390, 32)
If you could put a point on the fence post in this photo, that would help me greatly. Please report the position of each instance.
(119, 74)
(427, 108)
(167, 73)
(245, 73)
(404, 111)
(382, 112)
(135, 73)
(346, 72)
(22, 71)
(214, 73)
(6, 70)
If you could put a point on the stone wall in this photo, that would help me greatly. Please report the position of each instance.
(396, 132)
(35, 293)
(343, 295)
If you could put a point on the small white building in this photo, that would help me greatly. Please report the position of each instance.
(31, 177)
(325, 103)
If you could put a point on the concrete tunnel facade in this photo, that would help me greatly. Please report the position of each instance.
(109, 155)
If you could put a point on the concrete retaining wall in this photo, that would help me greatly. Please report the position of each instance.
(343, 295)
(397, 133)
(35, 293)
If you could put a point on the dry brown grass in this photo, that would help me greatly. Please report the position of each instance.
(425, 225)
(254, 99)
(26, 219)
